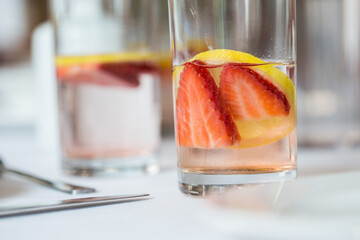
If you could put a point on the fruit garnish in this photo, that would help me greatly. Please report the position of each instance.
(107, 70)
(128, 71)
(250, 96)
(202, 119)
(105, 58)
(98, 77)
(260, 97)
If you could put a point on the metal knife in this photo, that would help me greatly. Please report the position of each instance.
(68, 204)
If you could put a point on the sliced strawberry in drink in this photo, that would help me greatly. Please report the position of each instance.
(250, 96)
(98, 77)
(123, 74)
(128, 71)
(202, 119)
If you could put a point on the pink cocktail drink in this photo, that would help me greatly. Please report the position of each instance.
(109, 111)
(235, 116)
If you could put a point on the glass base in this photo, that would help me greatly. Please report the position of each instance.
(206, 184)
(125, 166)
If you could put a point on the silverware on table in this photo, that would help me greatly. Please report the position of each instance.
(68, 204)
(57, 185)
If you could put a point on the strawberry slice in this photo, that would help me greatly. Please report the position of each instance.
(250, 96)
(122, 74)
(202, 120)
(98, 77)
(128, 71)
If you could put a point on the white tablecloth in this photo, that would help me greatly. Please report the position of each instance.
(169, 214)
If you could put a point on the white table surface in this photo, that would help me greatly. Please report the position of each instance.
(171, 215)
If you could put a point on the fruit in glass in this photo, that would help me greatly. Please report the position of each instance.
(235, 114)
(108, 105)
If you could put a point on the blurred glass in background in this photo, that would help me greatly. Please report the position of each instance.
(43, 55)
(107, 65)
(328, 72)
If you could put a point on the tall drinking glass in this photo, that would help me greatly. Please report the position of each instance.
(234, 92)
(107, 69)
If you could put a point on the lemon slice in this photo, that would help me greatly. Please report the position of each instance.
(104, 58)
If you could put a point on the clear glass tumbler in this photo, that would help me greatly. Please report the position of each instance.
(107, 68)
(234, 92)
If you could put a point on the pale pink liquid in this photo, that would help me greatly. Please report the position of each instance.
(110, 120)
(274, 157)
